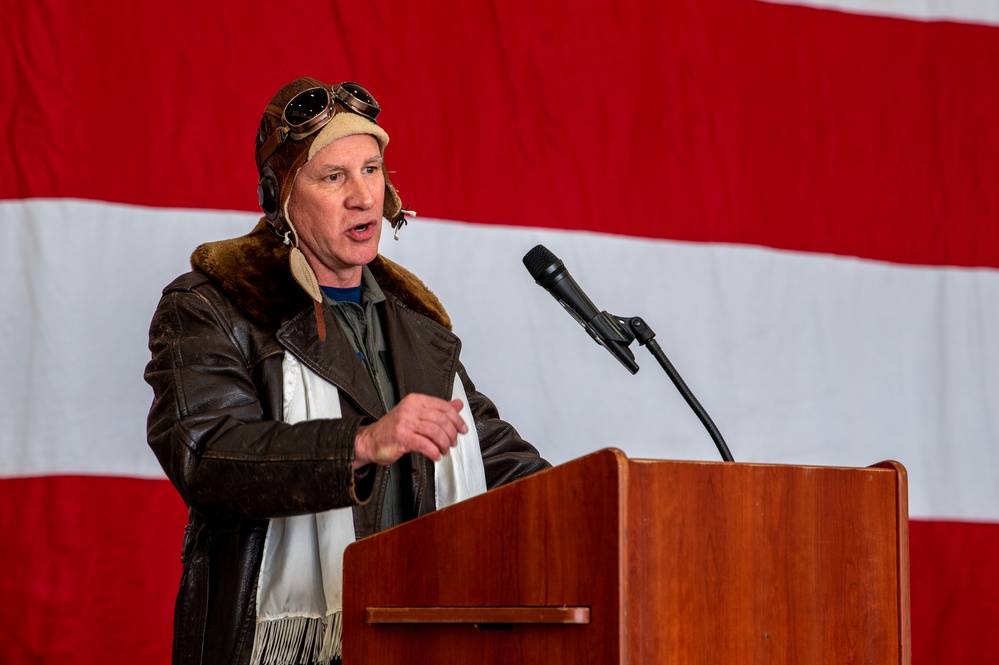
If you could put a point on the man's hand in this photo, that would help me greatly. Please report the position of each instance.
(419, 423)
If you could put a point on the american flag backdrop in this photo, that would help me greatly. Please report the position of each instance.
(802, 201)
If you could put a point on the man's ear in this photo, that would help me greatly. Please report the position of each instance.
(392, 208)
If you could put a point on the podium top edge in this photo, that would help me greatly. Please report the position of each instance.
(886, 465)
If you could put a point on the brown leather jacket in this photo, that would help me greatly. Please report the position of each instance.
(217, 341)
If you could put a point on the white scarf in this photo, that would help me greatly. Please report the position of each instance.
(300, 587)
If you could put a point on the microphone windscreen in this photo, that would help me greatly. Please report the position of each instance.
(543, 265)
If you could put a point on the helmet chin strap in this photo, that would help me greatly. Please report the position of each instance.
(304, 274)
(301, 270)
(306, 278)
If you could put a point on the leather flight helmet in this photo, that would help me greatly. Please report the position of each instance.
(303, 117)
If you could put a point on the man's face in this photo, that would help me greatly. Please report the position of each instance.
(336, 207)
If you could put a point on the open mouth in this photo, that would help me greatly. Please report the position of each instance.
(363, 231)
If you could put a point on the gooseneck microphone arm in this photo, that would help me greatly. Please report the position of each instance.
(614, 333)
(646, 337)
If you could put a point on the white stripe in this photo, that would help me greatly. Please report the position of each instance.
(799, 358)
(81, 281)
(969, 11)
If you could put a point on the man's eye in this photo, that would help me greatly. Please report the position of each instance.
(334, 177)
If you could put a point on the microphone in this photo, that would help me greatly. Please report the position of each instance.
(551, 274)
(614, 333)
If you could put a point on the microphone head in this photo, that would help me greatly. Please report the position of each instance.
(543, 266)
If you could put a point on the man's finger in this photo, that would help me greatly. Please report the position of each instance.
(459, 422)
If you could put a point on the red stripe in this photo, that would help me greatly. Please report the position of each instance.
(91, 567)
(955, 592)
(733, 121)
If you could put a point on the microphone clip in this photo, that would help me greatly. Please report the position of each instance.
(616, 333)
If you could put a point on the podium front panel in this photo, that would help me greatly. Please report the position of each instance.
(549, 541)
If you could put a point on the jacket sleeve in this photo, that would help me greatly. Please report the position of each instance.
(505, 455)
(211, 433)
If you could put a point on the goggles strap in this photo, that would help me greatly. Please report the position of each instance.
(273, 142)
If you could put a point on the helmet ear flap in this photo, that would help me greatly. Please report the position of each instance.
(267, 194)
(392, 206)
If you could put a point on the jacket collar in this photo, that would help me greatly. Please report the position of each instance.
(253, 271)
(424, 355)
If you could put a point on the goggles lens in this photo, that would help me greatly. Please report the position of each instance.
(357, 99)
(306, 106)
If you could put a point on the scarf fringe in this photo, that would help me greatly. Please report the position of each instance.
(296, 640)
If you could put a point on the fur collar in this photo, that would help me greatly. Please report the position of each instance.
(253, 271)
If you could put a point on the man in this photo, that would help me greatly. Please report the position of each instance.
(307, 392)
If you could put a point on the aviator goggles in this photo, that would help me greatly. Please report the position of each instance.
(311, 110)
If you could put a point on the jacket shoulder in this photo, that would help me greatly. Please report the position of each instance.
(189, 281)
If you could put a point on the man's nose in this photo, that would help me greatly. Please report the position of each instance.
(360, 195)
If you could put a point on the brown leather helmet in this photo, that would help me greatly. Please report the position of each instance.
(303, 117)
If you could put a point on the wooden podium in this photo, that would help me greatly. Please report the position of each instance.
(611, 560)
